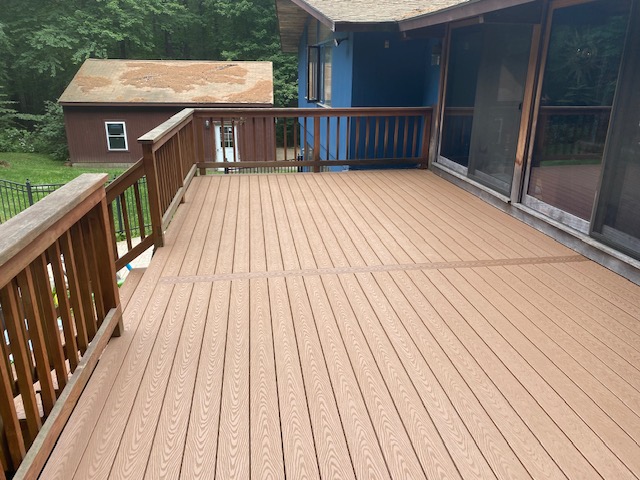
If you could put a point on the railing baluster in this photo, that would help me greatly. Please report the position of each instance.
(105, 274)
(304, 143)
(270, 124)
(357, 146)
(405, 140)
(88, 236)
(295, 126)
(75, 295)
(396, 132)
(6, 351)
(13, 322)
(84, 280)
(234, 138)
(348, 143)
(328, 126)
(10, 423)
(223, 140)
(338, 138)
(376, 137)
(366, 137)
(49, 318)
(37, 335)
(64, 306)
(284, 137)
(254, 154)
(125, 218)
(414, 147)
(138, 200)
(316, 143)
(386, 137)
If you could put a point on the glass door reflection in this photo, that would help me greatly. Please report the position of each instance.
(579, 83)
(486, 79)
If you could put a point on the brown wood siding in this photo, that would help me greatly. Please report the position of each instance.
(87, 138)
(88, 142)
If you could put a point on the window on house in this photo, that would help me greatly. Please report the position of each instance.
(313, 72)
(116, 136)
(319, 74)
(326, 75)
(228, 137)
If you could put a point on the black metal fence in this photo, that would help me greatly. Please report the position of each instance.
(16, 197)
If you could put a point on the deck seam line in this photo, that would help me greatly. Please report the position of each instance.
(371, 269)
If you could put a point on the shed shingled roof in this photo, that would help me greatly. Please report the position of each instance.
(175, 82)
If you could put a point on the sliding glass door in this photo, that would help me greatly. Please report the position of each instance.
(583, 58)
(486, 77)
(617, 218)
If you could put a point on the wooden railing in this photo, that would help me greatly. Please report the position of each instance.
(312, 138)
(60, 305)
(58, 294)
(127, 194)
(258, 140)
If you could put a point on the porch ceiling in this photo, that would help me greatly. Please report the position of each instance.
(361, 325)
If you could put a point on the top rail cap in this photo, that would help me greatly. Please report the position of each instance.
(21, 230)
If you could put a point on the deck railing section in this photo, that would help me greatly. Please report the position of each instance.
(311, 139)
(169, 157)
(128, 195)
(59, 306)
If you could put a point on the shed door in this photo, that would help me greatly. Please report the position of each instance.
(226, 144)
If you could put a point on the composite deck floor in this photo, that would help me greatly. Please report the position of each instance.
(365, 325)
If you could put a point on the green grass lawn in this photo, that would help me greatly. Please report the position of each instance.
(17, 167)
(39, 169)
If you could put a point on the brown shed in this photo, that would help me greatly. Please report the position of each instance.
(109, 104)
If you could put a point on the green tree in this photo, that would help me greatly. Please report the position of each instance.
(43, 42)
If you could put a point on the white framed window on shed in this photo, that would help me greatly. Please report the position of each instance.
(116, 136)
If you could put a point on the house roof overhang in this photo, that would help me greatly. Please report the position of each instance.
(384, 15)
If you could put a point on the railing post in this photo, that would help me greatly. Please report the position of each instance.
(316, 143)
(179, 154)
(107, 268)
(199, 139)
(29, 192)
(149, 161)
(426, 140)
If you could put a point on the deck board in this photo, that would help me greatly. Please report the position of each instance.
(361, 325)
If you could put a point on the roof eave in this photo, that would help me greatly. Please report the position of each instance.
(459, 12)
(391, 26)
(315, 13)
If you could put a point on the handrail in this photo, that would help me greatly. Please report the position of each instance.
(55, 252)
(159, 135)
(308, 112)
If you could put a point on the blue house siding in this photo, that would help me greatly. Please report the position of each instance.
(371, 69)
(341, 82)
(389, 71)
